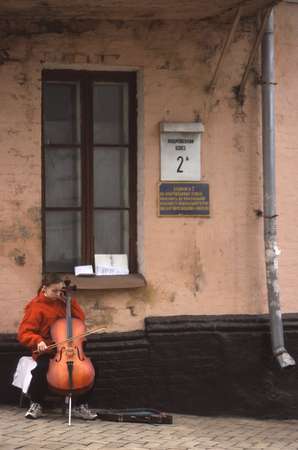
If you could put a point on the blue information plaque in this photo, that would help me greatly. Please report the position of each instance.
(183, 199)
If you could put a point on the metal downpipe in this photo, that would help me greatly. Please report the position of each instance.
(269, 196)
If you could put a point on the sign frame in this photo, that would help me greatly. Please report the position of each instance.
(181, 184)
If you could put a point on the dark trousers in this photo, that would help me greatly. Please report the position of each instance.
(38, 388)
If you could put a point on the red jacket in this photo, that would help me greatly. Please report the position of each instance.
(40, 314)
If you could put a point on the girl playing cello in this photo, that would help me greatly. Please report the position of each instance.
(34, 332)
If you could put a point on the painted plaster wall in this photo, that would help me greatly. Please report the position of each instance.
(287, 146)
(192, 266)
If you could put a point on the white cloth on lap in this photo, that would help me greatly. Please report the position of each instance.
(22, 376)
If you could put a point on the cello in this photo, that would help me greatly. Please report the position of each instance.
(70, 371)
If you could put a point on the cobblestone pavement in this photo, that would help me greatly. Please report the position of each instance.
(186, 433)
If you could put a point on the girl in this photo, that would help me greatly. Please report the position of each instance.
(34, 332)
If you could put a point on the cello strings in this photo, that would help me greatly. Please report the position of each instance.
(50, 347)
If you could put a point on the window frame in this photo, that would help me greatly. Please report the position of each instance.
(86, 80)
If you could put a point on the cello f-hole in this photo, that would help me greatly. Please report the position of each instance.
(59, 357)
(81, 358)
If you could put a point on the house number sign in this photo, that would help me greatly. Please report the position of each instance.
(180, 150)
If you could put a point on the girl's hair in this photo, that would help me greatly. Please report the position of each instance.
(48, 279)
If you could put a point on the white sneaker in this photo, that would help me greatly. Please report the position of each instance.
(34, 412)
(83, 412)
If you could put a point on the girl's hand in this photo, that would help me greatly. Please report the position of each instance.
(42, 346)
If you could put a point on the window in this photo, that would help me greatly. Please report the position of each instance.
(89, 167)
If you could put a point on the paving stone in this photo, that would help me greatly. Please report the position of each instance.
(186, 433)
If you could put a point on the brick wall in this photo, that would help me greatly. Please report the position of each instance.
(220, 365)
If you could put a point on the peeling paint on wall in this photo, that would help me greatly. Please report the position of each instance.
(14, 232)
(238, 143)
(18, 153)
(132, 310)
(34, 213)
(18, 256)
(199, 276)
(180, 257)
(103, 316)
(172, 297)
(148, 294)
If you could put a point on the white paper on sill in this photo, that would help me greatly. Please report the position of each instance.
(83, 270)
(111, 264)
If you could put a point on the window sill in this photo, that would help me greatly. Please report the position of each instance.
(131, 281)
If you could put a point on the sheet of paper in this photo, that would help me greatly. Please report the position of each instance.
(83, 270)
(111, 264)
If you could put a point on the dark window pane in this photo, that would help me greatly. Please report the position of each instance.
(111, 177)
(110, 113)
(63, 240)
(63, 177)
(111, 230)
(61, 113)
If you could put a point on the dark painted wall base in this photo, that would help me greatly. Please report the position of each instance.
(204, 365)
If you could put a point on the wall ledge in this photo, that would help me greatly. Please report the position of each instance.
(213, 323)
(131, 281)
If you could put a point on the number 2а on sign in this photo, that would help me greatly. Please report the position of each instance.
(180, 156)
